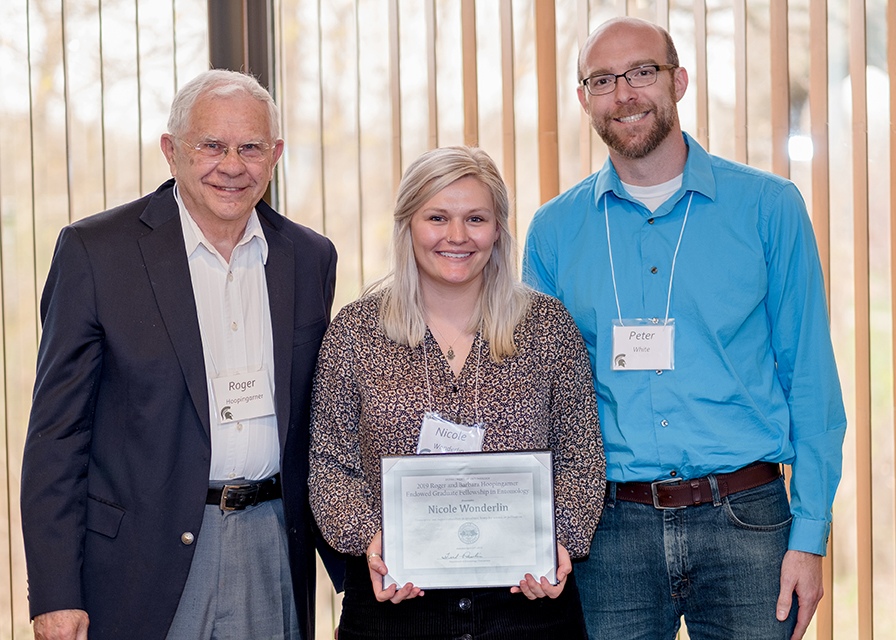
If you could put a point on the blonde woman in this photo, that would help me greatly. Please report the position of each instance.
(452, 331)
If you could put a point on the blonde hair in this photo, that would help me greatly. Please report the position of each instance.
(504, 300)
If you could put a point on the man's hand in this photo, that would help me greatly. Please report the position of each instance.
(800, 573)
(67, 624)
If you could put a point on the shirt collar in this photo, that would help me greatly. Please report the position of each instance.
(194, 238)
(698, 176)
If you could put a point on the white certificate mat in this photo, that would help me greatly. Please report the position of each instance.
(468, 519)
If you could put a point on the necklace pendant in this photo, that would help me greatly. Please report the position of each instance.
(450, 354)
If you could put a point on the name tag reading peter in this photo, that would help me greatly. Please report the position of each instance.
(640, 344)
(243, 396)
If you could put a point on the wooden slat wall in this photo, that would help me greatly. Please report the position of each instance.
(780, 95)
(362, 79)
(862, 292)
(821, 219)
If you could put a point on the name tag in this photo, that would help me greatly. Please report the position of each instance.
(243, 396)
(640, 344)
(443, 436)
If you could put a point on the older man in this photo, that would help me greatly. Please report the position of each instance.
(696, 284)
(165, 465)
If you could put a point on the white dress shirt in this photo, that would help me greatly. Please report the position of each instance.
(235, 324)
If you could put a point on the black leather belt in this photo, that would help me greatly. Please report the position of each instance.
(675, 494)
(235, 497)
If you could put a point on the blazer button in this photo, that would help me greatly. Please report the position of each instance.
(187, 538)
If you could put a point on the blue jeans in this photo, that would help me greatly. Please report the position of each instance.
(718, 565)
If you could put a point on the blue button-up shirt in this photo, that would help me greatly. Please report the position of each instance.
(754, 376)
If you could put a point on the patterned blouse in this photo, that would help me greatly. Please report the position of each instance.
(370, 396)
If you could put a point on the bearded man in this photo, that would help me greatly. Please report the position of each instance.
(696, 284)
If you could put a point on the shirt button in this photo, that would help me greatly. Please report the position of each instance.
(239, 426)
(673, 474)
(665, 423)
(659, 372)
(653, 270)
(231, 476)
(650, 221)
(187, 538)
(234, 326)
(230, 276)
(464, 604)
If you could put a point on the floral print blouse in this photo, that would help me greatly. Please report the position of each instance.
(371, 393)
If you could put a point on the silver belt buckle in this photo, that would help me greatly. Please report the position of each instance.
(656, 498)
(226, 490)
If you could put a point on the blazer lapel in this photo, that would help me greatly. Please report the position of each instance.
(280, 272)
(169, 273)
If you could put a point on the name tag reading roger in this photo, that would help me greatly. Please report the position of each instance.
(243, 396)
(438, 435)
(640, 344)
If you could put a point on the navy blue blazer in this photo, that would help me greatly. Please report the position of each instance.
(117, 454)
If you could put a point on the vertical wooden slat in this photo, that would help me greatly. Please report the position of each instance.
(33, 168)
(66, 87)
(702, 83)
(508, 121)
(431, 68)
(395, 84)
(173, 41)
(662, 13)
(471, 89)
(546, 71)
(280, 96)
(583, 20)
(320, 115)
(818, 115)
(821, 221)
(103, 100)
(864, 539)
(891, 65)
(740, 80)
(139, 98)
(360, 167)
(780, 87)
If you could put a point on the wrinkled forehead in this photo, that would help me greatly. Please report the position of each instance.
(235, 115)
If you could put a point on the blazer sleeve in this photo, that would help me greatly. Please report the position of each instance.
(57, 445)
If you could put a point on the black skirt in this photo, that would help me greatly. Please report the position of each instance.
(457, 614)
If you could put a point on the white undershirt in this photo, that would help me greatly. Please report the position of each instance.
(235, 324)
(655, 195)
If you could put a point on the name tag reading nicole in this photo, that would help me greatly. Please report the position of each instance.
(243, 396)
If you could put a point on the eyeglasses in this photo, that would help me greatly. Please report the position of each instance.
(215, 151)
(642, 76)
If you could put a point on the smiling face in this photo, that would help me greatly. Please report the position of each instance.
(633, 122)
(221, 195)
(453, 234)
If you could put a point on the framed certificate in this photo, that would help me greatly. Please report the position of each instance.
(469, 519)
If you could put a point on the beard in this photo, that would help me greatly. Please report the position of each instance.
(636, 147)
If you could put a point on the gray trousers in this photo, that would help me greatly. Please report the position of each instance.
(239, 586)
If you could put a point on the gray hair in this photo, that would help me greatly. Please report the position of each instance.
(219, 83)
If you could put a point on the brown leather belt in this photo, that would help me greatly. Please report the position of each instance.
(675, 494)
(236, 497)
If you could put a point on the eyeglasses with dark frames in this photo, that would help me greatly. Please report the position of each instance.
(642, 76)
